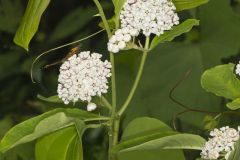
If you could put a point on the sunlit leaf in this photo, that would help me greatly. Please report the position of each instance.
(234, 105)
(221, 81)
(41, 125)
(30, 22)
(61, 145)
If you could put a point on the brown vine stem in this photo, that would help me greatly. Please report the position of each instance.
(189, 109)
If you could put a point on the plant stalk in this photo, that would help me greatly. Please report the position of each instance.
(117, 117)
(136, 82)
(112, 139)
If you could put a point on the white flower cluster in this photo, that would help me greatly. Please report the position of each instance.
(121, 37)
(238, 69)
(221, 144)
(147, 16)
(83, 76)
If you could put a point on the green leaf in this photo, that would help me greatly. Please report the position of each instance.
(188, 4)
(61, 145)
(21, 152)
(52, 99)
(234, 105)
(141, 126)
(44, 124)
(142, 130)
(55, 99)
(221, 81)
(30, 22)
(184, 27)
(178, 141)
(111, 23)
(235, 154)
(209, 123)
(118, 4)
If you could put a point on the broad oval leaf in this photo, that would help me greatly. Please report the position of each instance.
(44, 124)
(188, 4)
(221, 81)
(30, 22)
(184, 27)
(61, 145)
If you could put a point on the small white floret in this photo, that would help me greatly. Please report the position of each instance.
(91, 106)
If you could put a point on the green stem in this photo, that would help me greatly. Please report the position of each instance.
(103, 17)
(113, 78)
(136, 82)
(106, 103)
(117, 117)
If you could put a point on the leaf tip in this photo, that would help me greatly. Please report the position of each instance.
(20, 43)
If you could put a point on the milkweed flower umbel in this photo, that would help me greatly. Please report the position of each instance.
(221, 144)
(149, 16)
(143, 16)
(82, 77)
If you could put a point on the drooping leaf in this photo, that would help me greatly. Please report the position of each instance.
(221, 81)
(41, 125)
(188, 4)
(184, 27)
(61, 145)
(234, 105)
(30, 22)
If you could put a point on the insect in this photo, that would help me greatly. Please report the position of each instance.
(73, 51)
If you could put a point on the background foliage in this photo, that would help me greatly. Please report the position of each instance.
(214, 42)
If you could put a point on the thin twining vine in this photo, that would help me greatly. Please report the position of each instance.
(187, 109)
(60, 47)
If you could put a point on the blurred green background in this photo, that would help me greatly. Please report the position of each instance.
(215, 41)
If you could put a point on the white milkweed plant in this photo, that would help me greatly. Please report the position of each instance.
(89, 78)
